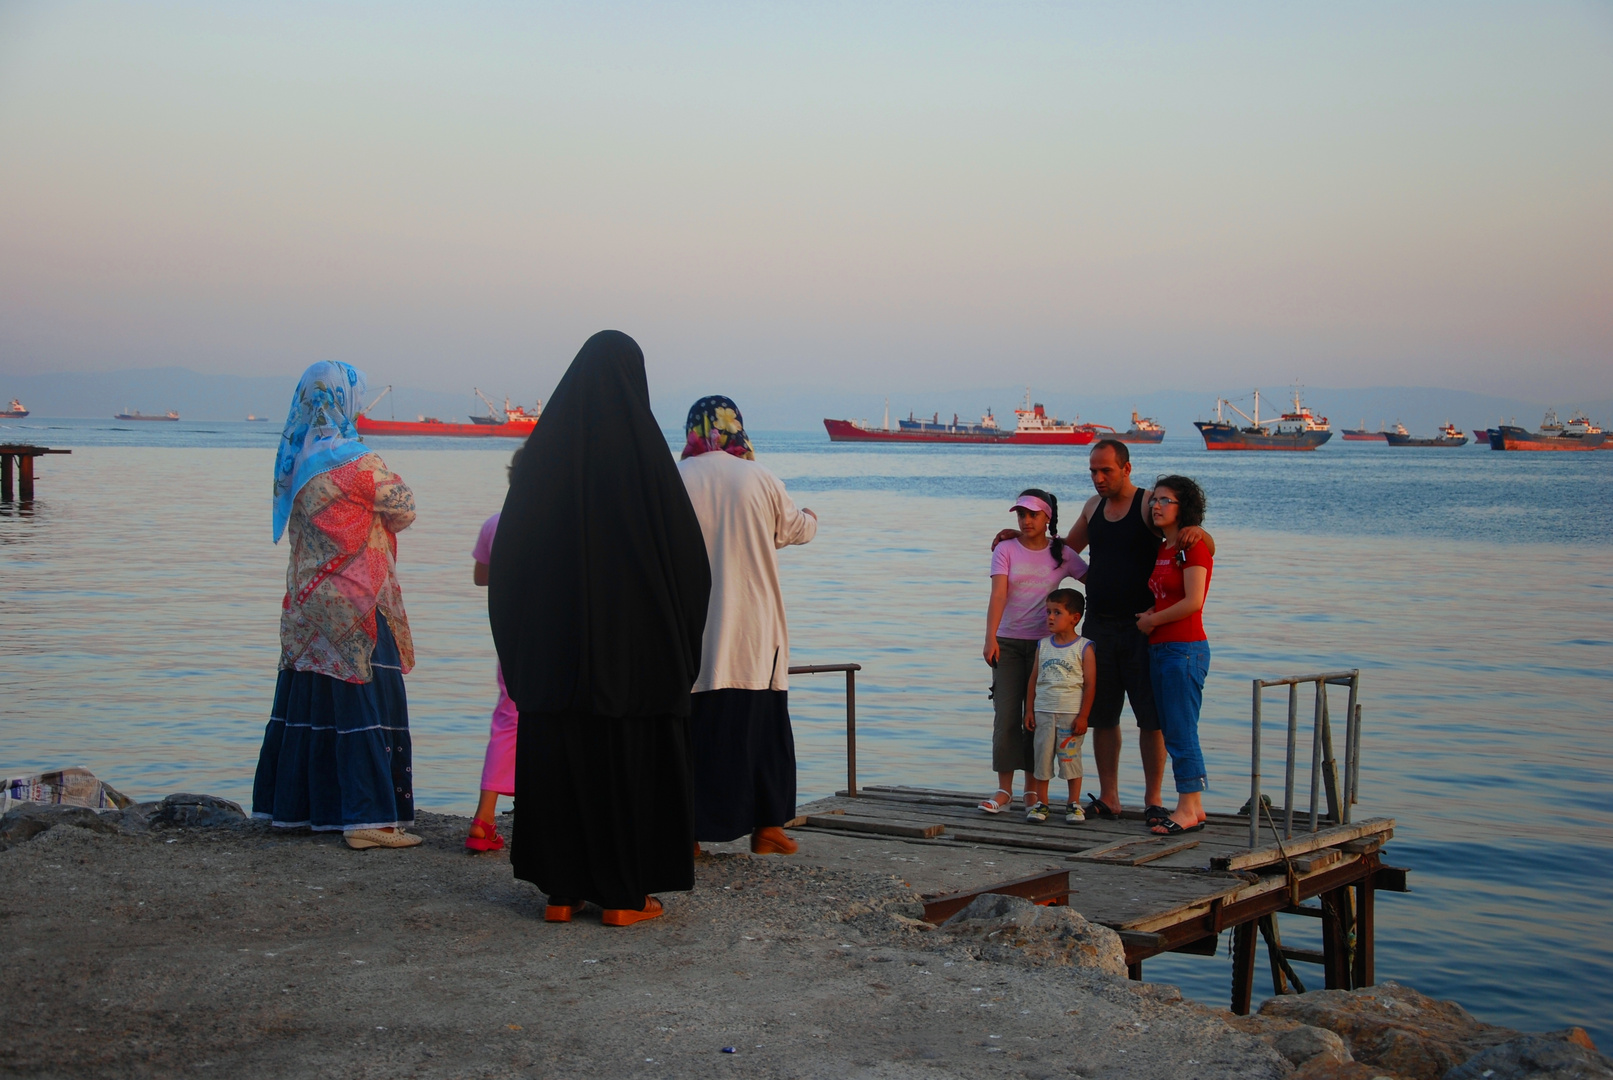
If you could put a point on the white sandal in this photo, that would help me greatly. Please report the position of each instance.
(992, 806)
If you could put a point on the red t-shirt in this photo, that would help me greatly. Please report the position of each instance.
(1168, 587)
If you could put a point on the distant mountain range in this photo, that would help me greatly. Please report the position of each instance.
(200, 396)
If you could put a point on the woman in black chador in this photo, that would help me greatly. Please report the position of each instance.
(597, 594)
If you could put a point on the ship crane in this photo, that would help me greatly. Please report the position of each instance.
(493, 410)
(365, 411)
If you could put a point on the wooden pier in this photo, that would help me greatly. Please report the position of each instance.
(23, 456)
(1161, 894)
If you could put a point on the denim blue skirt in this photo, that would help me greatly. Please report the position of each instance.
(336, 755)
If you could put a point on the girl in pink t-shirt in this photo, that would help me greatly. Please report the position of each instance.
(1023, 572)
(498, 767)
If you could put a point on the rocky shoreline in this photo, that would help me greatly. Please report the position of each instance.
(178, 935)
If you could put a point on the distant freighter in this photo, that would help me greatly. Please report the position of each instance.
(1578, 434)
(1033, 427)
(1361, 434)
(1447, 436)
(1297, 430)
(16, 412)
(135, 414)
(515, 422)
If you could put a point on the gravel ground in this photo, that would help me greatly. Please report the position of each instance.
(239, 952)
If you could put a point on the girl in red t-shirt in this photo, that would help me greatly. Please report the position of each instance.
(1178, 652)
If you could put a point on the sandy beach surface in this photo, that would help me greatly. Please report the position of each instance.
(238, 951)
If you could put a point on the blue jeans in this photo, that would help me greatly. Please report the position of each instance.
(1177, 669)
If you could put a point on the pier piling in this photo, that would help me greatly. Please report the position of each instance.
(24, 471)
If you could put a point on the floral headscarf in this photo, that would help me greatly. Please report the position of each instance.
(319, 434)
(715, 424)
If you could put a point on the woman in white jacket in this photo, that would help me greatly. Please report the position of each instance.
(743, 752)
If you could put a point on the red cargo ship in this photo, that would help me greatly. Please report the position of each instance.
(511, 422)
(1033, 427)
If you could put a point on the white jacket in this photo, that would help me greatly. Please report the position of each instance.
(746, 517)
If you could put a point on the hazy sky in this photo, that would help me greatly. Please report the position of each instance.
(868, 196)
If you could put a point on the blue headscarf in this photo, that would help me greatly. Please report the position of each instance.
(319, 434)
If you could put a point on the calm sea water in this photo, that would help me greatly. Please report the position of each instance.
(139, 598)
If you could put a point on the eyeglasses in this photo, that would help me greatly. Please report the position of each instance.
(1163, 501)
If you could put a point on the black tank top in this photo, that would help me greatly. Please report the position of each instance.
(1121, 555)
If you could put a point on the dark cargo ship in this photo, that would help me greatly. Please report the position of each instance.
(1448, 436)
(1296, 430)
(1578, 434)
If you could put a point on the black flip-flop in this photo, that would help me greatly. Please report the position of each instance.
(1097, 806)
(1153, 815)
(1173, 828)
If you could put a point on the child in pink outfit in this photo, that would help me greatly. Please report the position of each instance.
(498, 768)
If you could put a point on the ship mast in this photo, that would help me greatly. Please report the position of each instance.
(887, 414)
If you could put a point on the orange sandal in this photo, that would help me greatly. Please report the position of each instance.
(490, 840)
(627, 917)
(772, 841)
(560, 910)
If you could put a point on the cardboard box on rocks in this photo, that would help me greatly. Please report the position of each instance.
(1394, 1031)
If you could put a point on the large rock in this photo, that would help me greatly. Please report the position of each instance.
(1558, 1055)
(204, 811)
(1056, 936)
(1305, 1043)
(21, 824)
(1393, 1028)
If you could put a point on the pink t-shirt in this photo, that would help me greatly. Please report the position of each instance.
(483, 551)
(1031, 576)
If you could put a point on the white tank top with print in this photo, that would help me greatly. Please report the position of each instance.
(1059, 675)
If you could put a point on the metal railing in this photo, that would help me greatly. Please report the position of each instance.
(1324, 766)
(851, 713)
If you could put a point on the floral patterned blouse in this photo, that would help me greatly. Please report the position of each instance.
(344, 549)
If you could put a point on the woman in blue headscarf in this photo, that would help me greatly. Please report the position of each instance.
(336, 753)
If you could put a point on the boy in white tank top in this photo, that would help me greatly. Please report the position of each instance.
(1057, 702)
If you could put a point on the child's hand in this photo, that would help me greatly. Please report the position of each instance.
(1030, 721)
(1080, 725)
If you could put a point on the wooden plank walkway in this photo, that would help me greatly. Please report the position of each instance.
(1161, 894)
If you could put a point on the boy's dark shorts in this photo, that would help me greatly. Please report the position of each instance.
(1122, 654)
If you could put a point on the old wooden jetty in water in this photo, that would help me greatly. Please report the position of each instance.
(24, 456)
(1167, 893)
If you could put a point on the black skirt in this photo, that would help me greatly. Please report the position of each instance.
(603, 807)
(744, 762)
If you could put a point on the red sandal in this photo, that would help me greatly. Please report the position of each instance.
(490, 840)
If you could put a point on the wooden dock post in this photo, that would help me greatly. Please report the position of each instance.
(25, 476)
(1243, 966)
(5, 476)
(1364, 932)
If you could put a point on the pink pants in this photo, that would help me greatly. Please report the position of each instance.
(498, 769)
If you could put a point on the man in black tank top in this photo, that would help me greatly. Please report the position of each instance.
(1122, 557)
